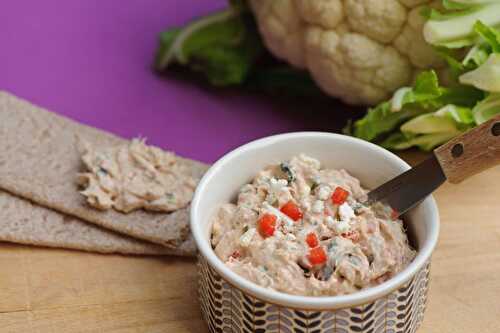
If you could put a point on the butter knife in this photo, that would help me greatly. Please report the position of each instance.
(466, 155)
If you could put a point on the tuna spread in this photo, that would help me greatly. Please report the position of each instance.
(134, 176)
(302, 229)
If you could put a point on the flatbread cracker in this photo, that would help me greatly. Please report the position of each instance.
(26, 223)
(40, 161)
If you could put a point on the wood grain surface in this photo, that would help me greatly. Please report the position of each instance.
(44, 290)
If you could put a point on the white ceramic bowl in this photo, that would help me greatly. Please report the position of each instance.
(232, 303)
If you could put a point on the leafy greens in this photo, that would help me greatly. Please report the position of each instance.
(227, 50)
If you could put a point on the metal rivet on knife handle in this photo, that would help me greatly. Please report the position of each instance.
(495, 130)
(457, 150)
(472, 152)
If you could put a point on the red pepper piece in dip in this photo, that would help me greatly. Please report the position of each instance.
(339, 196)
(317, 256)
(291, 210)
(267, 225)
(312, 240)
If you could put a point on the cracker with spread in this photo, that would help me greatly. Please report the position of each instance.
(41, 159)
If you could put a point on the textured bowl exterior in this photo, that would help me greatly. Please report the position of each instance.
(226, 308)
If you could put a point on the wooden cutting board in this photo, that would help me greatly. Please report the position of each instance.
(45, 290)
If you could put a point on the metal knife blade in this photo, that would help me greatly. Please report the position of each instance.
(411, 187)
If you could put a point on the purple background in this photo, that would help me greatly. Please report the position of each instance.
(91, 61)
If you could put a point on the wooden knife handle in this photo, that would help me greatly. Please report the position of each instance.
(472, 152)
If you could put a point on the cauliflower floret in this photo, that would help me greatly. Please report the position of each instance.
(282, 28)
(380, 20)
(354, 62)
(411, 42)
(326, 13)
(358, 50)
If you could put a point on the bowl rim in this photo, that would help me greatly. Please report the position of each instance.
(309, 302)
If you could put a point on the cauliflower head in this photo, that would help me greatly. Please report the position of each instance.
(360, 51)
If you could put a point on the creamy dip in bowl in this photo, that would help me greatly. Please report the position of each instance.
(229, 299)
(303, 229)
